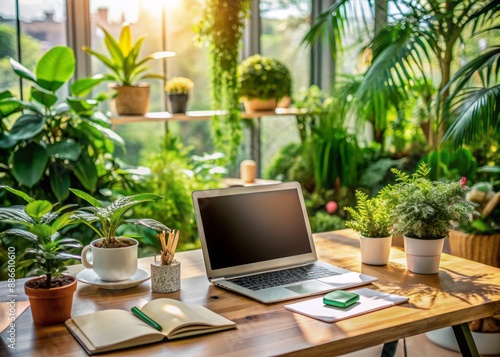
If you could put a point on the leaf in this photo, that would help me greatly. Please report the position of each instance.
(10, 106)
(27, 127)
(22, 71)
(65, 150)
(55, 68)
(6, 141)
(80, 105)
(82, 87)
(15, 214)
(125, 41)
(38, 208)
(43, 97)
(62, 221)
(86, 197)
(28, 164)
(21, 194)
(150, 223)
(60, 183)
(86, 171)
(21, 234)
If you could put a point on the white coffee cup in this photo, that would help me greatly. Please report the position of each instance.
(111, 264)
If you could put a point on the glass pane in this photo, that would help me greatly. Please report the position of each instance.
(8, 46)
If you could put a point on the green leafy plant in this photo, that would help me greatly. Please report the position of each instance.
(179, 85)
(40, 224)
(370, 217)
(425, 209)
(488, 220)
(53, 142)
(222, 25)
(123, 60)
(110, 217)
(264, 78)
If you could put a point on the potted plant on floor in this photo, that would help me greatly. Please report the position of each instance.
(370, 218)
(177, 90)
(113, 258)
(127, 70)
(51, 294)
(263, 82)
(424, 211)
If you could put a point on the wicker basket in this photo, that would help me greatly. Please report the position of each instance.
(480, 248)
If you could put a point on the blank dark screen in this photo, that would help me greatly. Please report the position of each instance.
(249, 228)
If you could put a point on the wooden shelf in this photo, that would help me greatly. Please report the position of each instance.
(197, 115)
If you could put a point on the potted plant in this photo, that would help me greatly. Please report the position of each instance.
(424, 211)
(178, 93)
(263, 82)
(113, 258)
(51, 294)
(370, 218)
(127, 70)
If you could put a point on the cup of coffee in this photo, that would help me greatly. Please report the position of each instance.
(111, 264)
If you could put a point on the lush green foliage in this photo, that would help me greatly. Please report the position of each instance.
(451, 164)
(40, 225)
(51, 142)
(110, 217)
(322, 221)
(425, 209)
(370, 217)
(222, 25)
(179, 85)
(264, 78)
(123, 58)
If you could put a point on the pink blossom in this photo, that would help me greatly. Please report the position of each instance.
(463, 181)
(331, 207)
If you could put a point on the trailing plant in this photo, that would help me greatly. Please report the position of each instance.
(425, 209)
(123, 60)
(264, 78)
(40, 224)
(222, 26)
(55, 141)
(179, 85)
(370, 217)
(110, 217)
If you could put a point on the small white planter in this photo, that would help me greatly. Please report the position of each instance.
(423, 255)
(486, 343)
(375, 251)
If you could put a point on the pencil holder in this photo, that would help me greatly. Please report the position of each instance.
(165, 278)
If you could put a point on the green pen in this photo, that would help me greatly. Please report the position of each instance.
(145, 318)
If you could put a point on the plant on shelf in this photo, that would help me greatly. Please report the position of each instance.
(127, 70)
(424, 211)
(177, 90)
(263, 82)
(222, 25)
(371, 219)
(53, 141)
(39, 223)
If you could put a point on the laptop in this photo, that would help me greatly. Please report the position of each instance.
(256, 241)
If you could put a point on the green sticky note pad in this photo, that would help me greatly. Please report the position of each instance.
(340, 298)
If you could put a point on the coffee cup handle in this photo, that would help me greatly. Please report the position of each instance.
(86, 263)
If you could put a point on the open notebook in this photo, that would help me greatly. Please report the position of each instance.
(109, 330)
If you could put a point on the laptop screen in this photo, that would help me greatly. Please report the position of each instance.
(253, 227)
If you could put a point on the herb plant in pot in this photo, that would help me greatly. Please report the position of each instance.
(127, 70)
(424, 211)
(177, 90)
(113, 258)
(263, 82)
(371, 220)
(51, 294)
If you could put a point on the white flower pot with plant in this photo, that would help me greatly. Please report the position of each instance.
(51, 294)
(113, 258)
(127, 71)
(424, 211)
(371, 220)
(263, 82)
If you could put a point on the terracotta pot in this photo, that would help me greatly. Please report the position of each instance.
(375, 251)
(178, 103)
(51, 306)
(130, 100)
(423, 255)
(482, 248)
(259, 105)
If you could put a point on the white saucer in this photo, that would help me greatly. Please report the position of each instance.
(88, 276)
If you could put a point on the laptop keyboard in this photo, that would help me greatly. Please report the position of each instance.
(282, 277)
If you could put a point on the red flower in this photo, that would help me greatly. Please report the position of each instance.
(463, 181)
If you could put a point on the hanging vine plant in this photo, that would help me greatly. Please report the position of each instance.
(222, 27)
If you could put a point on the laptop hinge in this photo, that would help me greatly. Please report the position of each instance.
(217, 279)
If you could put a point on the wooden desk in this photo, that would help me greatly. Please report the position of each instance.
(462, 291)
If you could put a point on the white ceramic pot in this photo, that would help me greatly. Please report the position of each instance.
(486, 343)
(375, 251)
(111, 264)
(423, 255)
